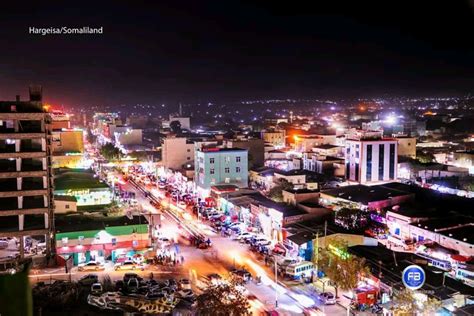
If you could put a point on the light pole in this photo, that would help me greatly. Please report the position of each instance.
(276, 282)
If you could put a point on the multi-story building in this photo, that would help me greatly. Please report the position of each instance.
(305, 143)
(406, 146)
(125, 135)
(370, 158)
(26, 199)
(255, 147)
(214, 166)
(176, 152)
(275, 137)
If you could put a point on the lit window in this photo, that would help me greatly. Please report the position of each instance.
(227, 159)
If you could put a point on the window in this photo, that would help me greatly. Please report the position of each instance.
(189, 150)
(227, 170)
(381, 161)
(212, 171)
(67, 206)
(237, 159)
(391, 169)
(201, 160)
(211, 160)
(369, 163)
(189, 158)
(81, 239)
(114, 241)
(227, 159)
(237, 169)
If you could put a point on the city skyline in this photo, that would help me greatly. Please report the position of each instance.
(157, 53)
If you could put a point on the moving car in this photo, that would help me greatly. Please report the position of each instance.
(327, 298)
(91, 266)
(128, 265)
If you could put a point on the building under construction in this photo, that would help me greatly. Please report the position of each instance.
(26, 187)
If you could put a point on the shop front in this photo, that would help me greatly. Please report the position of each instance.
(104, 244)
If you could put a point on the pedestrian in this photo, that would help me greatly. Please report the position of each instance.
(151, 276)
(182, 260)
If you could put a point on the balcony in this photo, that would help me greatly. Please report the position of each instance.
(7, 165)
(4, 148)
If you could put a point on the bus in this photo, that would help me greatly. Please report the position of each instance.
(303, 269)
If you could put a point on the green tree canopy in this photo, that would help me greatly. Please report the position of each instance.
(223, 299)
(343, 269)
(110, 152)
(276, 193)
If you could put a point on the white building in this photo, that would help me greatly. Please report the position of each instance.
(176, 152)
(370, 158)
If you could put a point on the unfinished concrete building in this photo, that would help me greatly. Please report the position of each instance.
(26, 187)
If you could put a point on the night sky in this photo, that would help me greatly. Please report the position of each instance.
(225, 50)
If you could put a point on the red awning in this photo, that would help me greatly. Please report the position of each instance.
(460, 258)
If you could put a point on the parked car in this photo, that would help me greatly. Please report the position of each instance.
(88, 279)
(96, 289)
(127, 276)
(91, 266)
(128, 265)
(133, 285)
(242, 274)
(327, 298)
(186, 294)
(244, 235)
(214, 278)
(184, 284)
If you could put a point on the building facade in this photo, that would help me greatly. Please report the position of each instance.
(176, 152)
(26, 199)
(370, 158)
(214, 166)
(276, 137)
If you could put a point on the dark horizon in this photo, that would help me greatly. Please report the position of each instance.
(153, 53)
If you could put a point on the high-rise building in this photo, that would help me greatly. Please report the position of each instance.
(370, 158)
(26, 198)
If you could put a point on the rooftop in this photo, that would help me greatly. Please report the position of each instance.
(326, 146)
(72, 223)
(282, 207)
(364, 194)
(218, 149)
(74, 179)
(66, 198)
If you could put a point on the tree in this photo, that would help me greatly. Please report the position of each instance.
(110, 152)
(91, 138)
(343, 269)
(350, 218)
(139, 155)
(276, 193)
(424, 157)
(223, 299)
(406, 303)
(175, 126)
